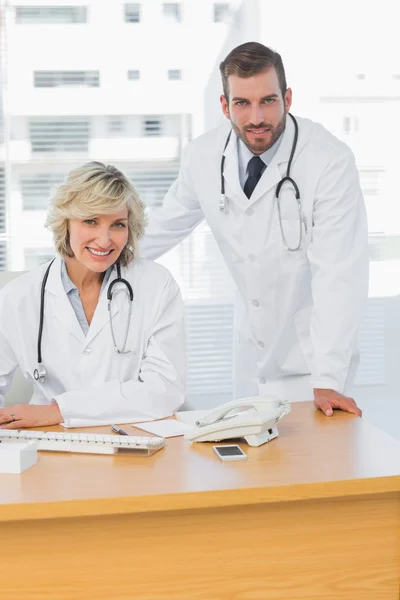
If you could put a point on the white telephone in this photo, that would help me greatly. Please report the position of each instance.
(254, 419)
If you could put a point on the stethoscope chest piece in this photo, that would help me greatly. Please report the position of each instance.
(39, 374)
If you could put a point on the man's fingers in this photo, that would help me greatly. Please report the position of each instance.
(349, 405)
(325, 406)
(341, 402)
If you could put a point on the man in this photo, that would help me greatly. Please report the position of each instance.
(299, 260)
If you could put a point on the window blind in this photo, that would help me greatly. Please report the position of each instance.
(59, 135)
(66, 79)
(50, 15)
(2, 201)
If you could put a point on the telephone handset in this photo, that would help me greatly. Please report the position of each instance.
(254, 419)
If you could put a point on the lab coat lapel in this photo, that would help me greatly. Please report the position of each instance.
(277, 168)
(233, 189)
(61, 309)
(101, 317)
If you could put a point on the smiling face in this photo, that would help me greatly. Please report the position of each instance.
(98, 241)
(256, 109)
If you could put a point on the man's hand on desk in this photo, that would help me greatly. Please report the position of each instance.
(22, 416)
(326, 400)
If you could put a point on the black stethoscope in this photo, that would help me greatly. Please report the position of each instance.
(39, 374)
(223, 199)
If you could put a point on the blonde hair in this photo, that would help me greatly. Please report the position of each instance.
(95, 189)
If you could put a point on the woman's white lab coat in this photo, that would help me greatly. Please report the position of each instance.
(92, 383)
(297, 313)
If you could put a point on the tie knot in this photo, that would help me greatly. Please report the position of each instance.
(255, 166)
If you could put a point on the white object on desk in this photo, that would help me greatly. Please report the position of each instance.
(92, 443)
(17, 457)
(165, 428)
(191, 416)
(253, 419)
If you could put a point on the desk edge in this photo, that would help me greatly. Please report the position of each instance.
(197, 500)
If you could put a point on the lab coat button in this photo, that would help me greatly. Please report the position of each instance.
(261, 344)
(263, 380)
(256, 303)
(249, 212)
(87, 350)
(252, 257)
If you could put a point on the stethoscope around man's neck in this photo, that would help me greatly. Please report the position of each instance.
(286, 178)
(39, 374)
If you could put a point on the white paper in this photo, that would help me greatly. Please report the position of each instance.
(75, 423)
(166, 428)
(191, 416)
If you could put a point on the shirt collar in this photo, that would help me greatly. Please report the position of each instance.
(66, 280)
(245, 155)
(69, 285)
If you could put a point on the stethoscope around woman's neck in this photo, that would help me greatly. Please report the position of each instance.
(286, 178)
(39, 374)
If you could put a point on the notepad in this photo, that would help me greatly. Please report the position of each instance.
(165, 428)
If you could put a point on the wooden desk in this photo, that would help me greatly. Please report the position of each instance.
(313, 515)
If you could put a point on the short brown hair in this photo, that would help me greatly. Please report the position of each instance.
(251, 59)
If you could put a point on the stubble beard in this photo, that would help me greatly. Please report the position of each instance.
(262, 146)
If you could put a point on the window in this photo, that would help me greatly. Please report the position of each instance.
(38, 188)
(132, 13)
(37, 256)
(371, 180)
(3, 255)
(47, 135)
(174, 74)
(47, 79)
(2, 200)
(350, 125)
(133, 75)
(116, 125)
(172, 12)
(152, 126)
(221, 13)
(50, 15)
(153, 181)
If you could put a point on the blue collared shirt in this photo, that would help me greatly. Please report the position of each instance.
(73, 295)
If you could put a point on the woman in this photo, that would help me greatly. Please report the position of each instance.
(98, 362)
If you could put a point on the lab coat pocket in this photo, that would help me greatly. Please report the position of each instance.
(302, 325)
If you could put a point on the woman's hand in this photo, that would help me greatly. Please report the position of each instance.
(22, 416)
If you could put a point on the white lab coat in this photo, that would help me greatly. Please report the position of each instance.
(91, 383)
(297, 313)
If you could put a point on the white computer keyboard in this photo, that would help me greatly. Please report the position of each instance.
(94, 443)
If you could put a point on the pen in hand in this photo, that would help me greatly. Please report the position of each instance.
(116, 429)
